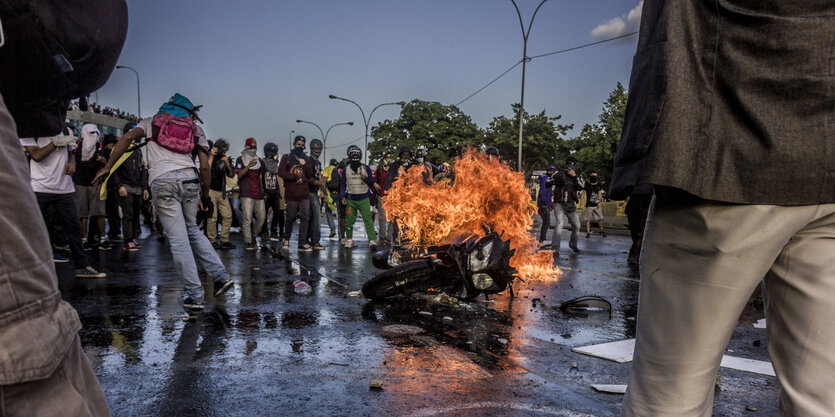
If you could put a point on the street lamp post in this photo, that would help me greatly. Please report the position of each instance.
(138, 101)
(291, 140)
(325, 134)
(525, 60)
(364, 119)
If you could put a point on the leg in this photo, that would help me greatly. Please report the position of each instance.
(545, 215)
(211, 226)
(247, 205)
(574, 219)
(259, 208)
(292, 210)
(169, 202)
(127, 204)
(559, 218)
(113, 220)
(225, 210)
(200, 245)
(365, 210)
(315, 220)
(282, 214)
(304, 216)
(68, 216)
(350, 218)
(701, 262)
(341, 211)
(800, 333)
(382, 223)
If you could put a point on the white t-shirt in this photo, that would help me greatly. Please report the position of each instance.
(47, 176)
(161, 160)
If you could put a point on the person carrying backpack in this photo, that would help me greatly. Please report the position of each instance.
(355, 188)
(176, 189)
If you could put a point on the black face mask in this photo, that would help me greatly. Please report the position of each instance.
(355, 165)
(298, 152)
(593, 179)
(316, 152)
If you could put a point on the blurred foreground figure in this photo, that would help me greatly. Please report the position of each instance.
(731, 116)
(50, 52)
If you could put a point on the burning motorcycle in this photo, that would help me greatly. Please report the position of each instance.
(465, 269)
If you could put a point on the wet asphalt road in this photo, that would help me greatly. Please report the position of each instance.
(262, 350)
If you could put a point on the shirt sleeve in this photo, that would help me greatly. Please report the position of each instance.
(28, 142)
(239, 164)
(201, 137)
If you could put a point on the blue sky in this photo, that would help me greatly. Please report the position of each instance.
(257, 66)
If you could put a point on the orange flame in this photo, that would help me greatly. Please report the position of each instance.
(434, 213)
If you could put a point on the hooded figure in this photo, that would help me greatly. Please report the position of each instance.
(89, 141)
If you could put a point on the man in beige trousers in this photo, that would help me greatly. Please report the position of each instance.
(731, 116)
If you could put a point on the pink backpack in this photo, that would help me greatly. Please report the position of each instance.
(177, 134)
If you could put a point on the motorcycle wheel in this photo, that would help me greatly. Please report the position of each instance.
(403, 279)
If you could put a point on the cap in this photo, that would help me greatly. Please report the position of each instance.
(251, 143)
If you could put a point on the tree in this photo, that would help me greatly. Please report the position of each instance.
(439, 128)
(543, 142)
(597, 143)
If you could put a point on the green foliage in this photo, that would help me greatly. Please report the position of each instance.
(438, 127)
(543, 139)
(597, 143)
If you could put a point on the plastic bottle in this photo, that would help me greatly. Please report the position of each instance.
(301, 287)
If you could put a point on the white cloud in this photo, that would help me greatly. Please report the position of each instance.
(620, 25)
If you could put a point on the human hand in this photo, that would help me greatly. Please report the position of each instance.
(214, 151)
(206, 204)
(252, 163)
(570, 171)
(100, 158)
(344, 201)
(377, 188)
(123, 192)
(146, 195)
(70, 168)
(363, 175)
(101, 175)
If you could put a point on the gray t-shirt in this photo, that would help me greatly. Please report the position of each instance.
(161, 160)
(47, 176)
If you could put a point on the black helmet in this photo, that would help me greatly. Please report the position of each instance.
(354, 153)
(420, 152)
(222, 143)
(334, 162)
(316, 143)
(492, 150)
(403, 149)
(270, 149)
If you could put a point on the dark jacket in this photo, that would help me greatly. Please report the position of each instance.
(565, 190)
(131, 172)
(85, 171)
(732, 101)
(291, 173)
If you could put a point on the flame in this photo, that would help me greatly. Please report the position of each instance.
(434, 213)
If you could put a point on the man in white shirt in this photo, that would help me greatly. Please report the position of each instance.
(176, 195)
(50, 169)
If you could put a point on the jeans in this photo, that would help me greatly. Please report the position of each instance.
(300, 209)
(176, 200)
(236, 209)
(276, 223)
(573, 219)
(111, 207)
(314, 226)
(65, 210)
(248, 206)
(545, 214)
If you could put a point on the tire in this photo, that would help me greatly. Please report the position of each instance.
(403, 279)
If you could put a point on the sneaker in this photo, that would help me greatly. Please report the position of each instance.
(190, 304)
(318, 246)
(215, 245)
(575, 249)
(227, 245)
(274, 237)
(105, 245)
(87, 245)
(59, 259)
(305, 248)
(129, 247)
(221, 286)
(264, 236)
(349, 243)
(372, 244)
(137, 244)
(117, 238)
(333, 233)
(588, 235)
(602, 234)
(286, 245)
(89, 272)
(250, 246)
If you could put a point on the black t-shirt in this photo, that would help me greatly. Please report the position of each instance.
(592, 196)
(317, 170)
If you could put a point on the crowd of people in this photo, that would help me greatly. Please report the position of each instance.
(106, 110)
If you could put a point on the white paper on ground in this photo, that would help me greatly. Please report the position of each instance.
(620, 351)
(609, 389)
(749, 365)
(760, 324)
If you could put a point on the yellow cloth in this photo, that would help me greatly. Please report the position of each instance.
(125, 156)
